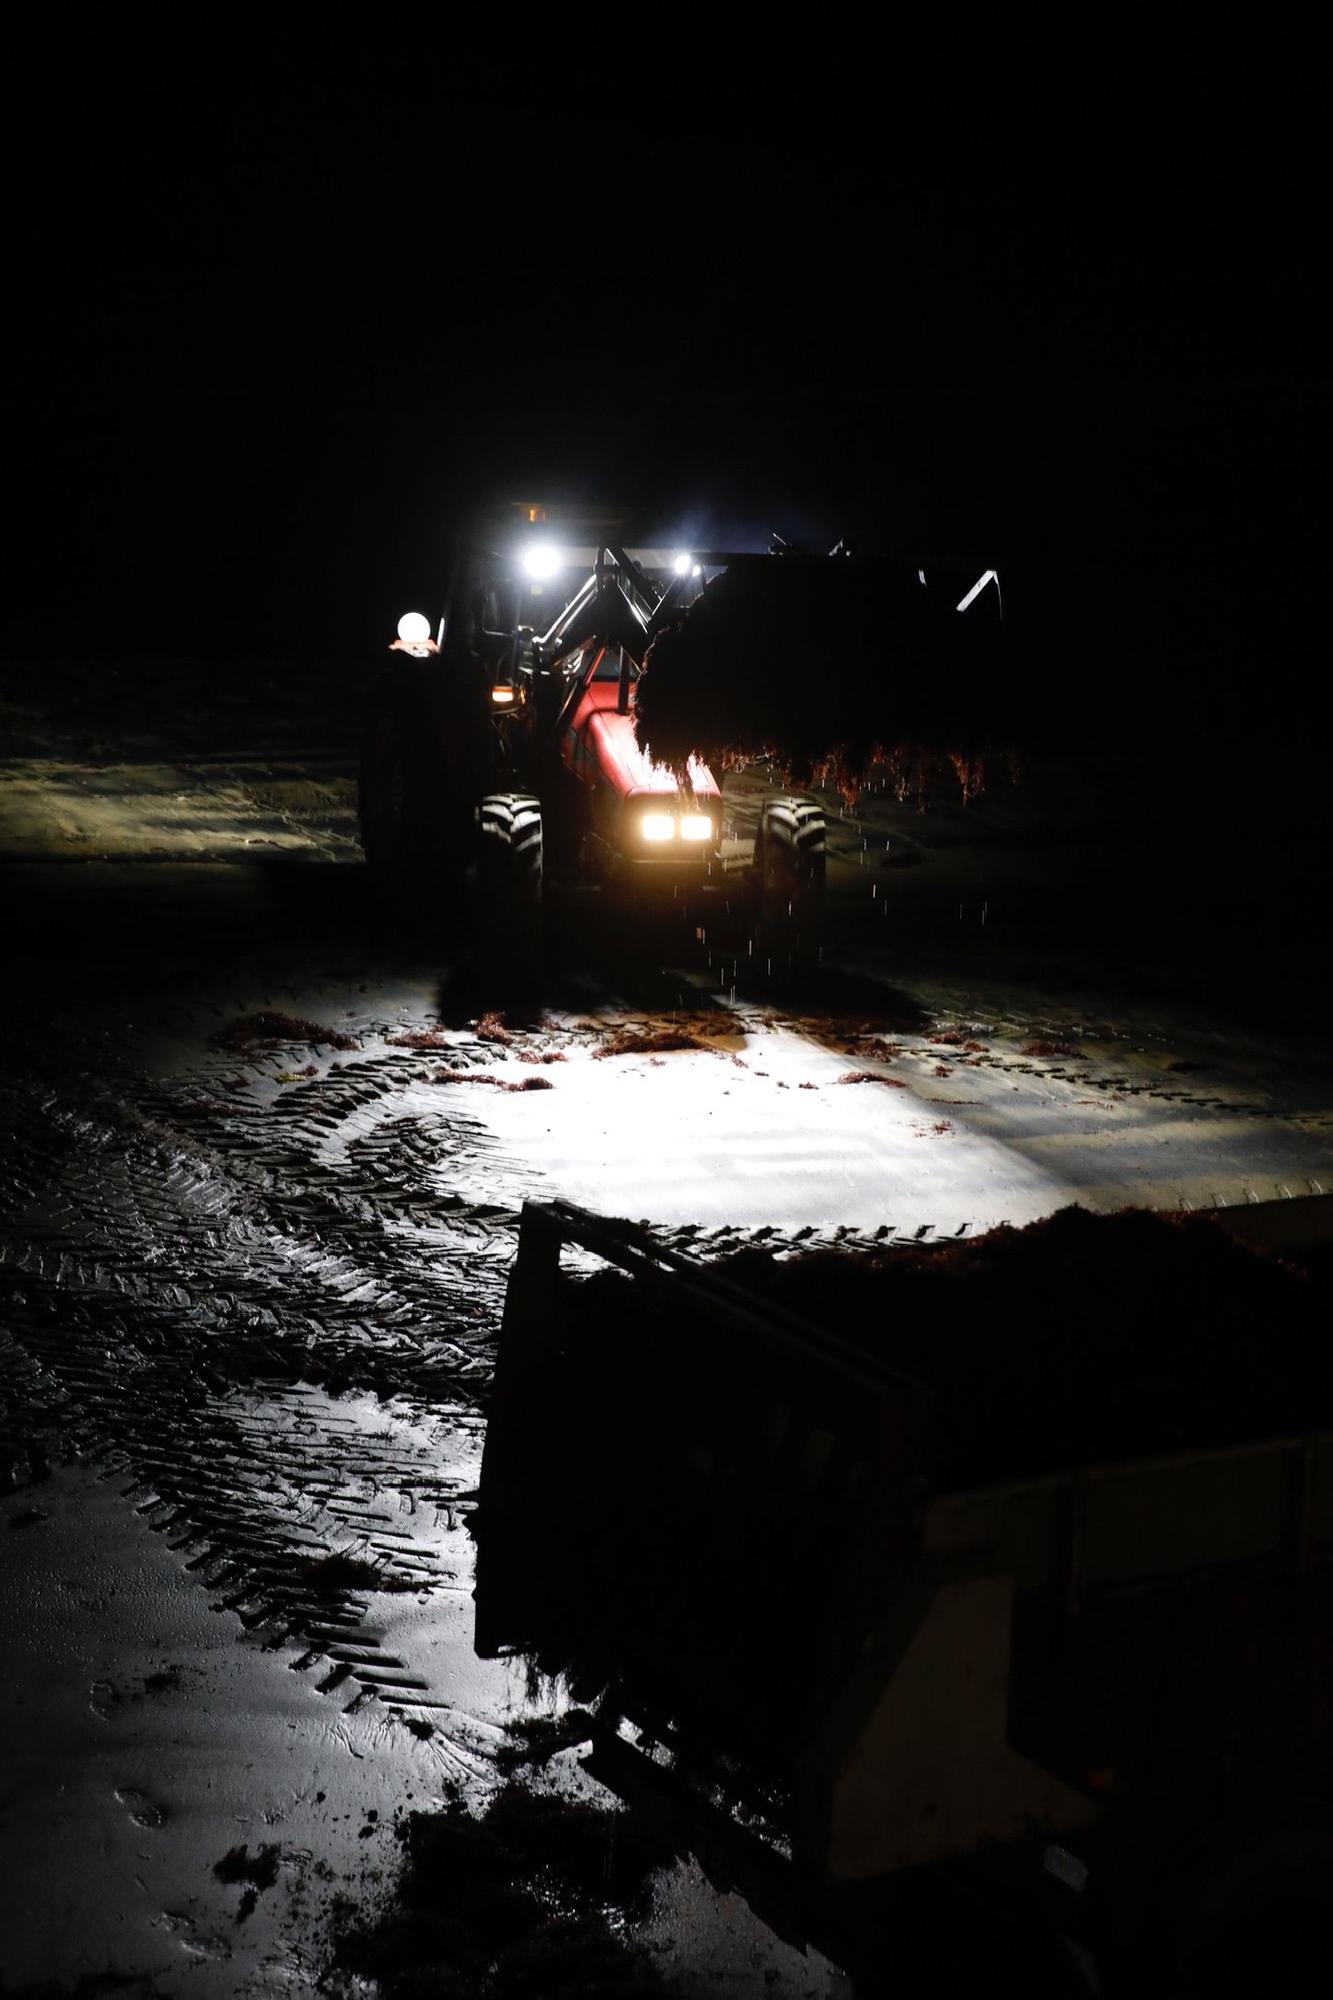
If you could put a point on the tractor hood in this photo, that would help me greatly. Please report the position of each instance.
(612, 757)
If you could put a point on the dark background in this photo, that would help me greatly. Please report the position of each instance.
(275, 323)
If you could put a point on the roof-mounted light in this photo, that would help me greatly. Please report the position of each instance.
(681, 563)
(541, 560)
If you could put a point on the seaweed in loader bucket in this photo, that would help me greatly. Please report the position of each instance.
(829, 667)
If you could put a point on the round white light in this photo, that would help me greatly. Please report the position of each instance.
(540, 560)
(681, 564)
(697, 570)
(413, 628)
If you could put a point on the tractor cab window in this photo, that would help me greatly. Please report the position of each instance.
(499, 607)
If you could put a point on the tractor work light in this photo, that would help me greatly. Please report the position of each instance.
(541, 560)
(413, 628)
(502, 696)
(681, 564)
(657, 826)
(696, 826)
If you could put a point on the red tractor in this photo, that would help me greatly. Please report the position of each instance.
(502, 741)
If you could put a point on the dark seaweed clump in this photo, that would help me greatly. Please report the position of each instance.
(527, 1900)
(268, 1027)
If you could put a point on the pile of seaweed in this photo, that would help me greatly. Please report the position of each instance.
(649, 1041)
(269, 1026)
(828, 667)
(1079, 1338)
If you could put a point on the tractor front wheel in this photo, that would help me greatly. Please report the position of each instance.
(789, 879)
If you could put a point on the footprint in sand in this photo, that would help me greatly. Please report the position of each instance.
(182, 1927)
(103, 1699)
(141, 1810)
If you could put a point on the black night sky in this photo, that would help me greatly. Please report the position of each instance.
(275, 327)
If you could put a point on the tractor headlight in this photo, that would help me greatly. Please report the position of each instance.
(413, 628)
(696, 826)
(657, 826)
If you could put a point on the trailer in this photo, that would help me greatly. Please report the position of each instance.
(843, 1680)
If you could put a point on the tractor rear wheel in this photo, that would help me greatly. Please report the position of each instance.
(789, 870)
(509, 875)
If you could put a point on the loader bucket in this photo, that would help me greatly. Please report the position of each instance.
(703, 1512)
